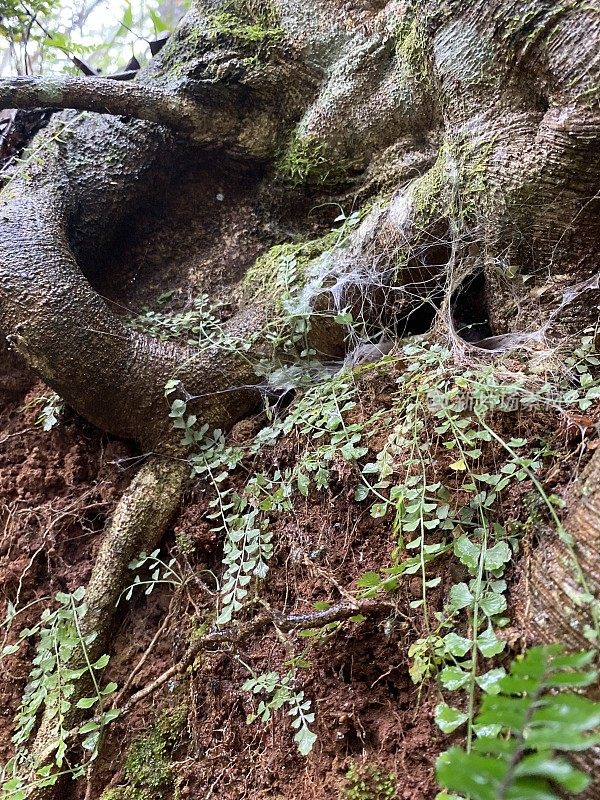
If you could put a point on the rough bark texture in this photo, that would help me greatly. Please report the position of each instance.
(514, 127)
(561, 586)
(104, 96)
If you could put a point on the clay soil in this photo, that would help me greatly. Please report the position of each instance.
(57, 489)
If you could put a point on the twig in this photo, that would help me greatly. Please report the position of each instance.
(18, 433)
(291, 622)
(142, 661)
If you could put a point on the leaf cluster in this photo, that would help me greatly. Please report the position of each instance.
(280, 692)
(535, 712)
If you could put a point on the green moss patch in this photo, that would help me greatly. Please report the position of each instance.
(147, 768)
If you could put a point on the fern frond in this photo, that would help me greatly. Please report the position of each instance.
(539, 713)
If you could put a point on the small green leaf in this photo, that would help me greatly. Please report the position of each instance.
(456, 645)
(467, 552)
(488, 643)
(493, 604)
(472, 774)
(110, 715)
(460, 596)
(305, 739)
(87, 702)
(448, 719)
(497, 556)
(88, 727)
(361, 493)
(368, 580)
(453, 678)
(549, 767)
(79, 594)
(90, 743)
(303, 483)
(490, 681)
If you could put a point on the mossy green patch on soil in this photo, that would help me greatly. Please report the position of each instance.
(147, 769)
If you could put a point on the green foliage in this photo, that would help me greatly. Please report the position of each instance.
(247, 549)
(47, 34)
(15, 18)
(319, 417)
(279, 692)
(447, 414)
(158, 571)
(442, 413)
(581, 362)
(532, 713)
(25, 26)
(367, 782)
(441, 478)
(198, 327)
(61, 663)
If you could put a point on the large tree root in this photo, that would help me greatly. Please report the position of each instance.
(137, 524)
(104, 96)
(516, 183)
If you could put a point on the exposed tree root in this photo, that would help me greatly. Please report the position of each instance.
(137, 524)
(132, 99)
(236, 634)
(556, 607)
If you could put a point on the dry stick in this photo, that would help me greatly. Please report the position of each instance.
(142, 660)
(291, 622)
(18, 433)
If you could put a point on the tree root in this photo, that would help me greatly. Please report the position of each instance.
(138, 523)
(561, 591)
(153, 103)
(236, 634)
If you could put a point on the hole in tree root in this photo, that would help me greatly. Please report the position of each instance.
(469, 309)
(419, 320)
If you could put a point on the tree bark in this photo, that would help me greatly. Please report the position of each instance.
(131, 99)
